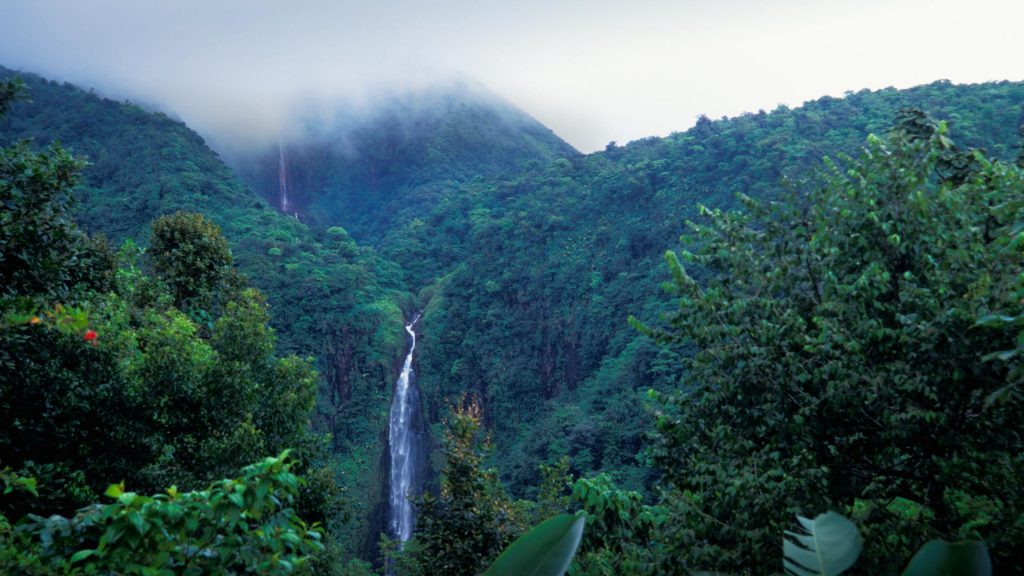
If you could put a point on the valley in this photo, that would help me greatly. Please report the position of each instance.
(526, 277)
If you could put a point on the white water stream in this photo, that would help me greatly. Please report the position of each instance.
(282, 178)
(403, 443)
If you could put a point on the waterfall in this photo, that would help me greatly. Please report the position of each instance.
(282, 178)
(404, 446)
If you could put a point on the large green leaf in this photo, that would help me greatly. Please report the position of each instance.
(830, 545)
(939, 558)
(546, 550)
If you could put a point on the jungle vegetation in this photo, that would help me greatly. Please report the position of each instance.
(840, 331)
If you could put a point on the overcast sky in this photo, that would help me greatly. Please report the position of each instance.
(592, 71)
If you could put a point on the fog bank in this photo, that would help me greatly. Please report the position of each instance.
(595, 71)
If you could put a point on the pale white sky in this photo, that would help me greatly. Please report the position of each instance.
(592, 71)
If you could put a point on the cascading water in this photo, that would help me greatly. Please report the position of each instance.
(282, 178)
(404, 443)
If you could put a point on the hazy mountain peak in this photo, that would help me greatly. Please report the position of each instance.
(347, 165)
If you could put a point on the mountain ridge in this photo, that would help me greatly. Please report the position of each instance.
(549, 264)
(369, 170)
(525, 275)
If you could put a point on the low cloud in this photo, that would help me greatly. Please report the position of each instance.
(244, 71)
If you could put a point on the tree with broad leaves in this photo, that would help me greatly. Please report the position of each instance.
(835, 362)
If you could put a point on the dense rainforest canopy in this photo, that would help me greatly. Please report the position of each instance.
(839, 335)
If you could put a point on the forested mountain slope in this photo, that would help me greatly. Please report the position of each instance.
(371, 170)
(543, 268)
(525, 257)
(329, 297)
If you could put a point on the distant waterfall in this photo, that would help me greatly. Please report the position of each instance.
(282, 178)
(405, 446)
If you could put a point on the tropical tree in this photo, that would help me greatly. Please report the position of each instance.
(190, 254)
(463, 528)
(106, 375)
(835, 361)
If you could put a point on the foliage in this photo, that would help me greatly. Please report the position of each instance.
(826, 546)
(545, 550)
(836, 361)
(14, 483)
(938, 558)
(853, 385)
(471, 520)
(41, 252)
(1009, 237)
(71, 406)
(241, 525)
(620, 529)
(101, 376)
(553, 494)
(329, 297)
(531, 275)
(833, 545)
(11, 90)
(190, 254)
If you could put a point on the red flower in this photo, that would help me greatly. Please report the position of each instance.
(90, 336)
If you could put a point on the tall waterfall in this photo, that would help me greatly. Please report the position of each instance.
(404, 442)
(282, 178)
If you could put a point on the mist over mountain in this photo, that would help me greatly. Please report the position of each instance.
(373, 170)
(612, 71)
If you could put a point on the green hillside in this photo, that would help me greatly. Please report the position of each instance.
(541, 270)
(329, 297)
(813, 346)
(372, 170)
